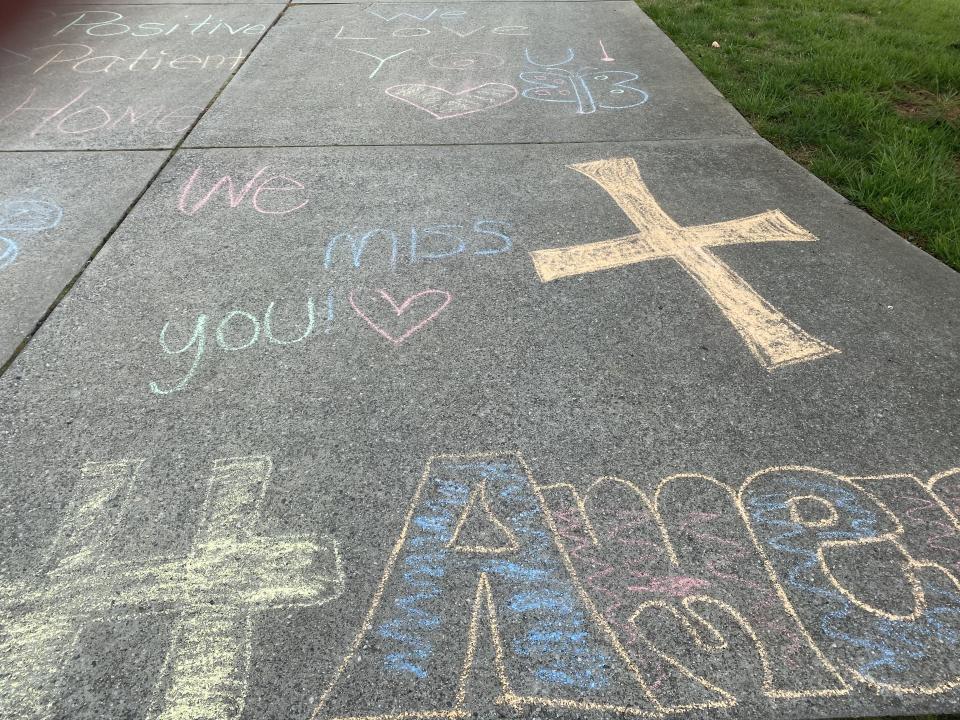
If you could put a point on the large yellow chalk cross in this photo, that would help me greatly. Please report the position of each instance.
(771, 337)
(215, 593)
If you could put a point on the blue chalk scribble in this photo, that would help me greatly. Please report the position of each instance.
(540, 615)
(887, 648)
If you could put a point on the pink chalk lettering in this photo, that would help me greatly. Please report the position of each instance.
(186, 114)
(86, 119)
(75, 119)
(265, 186)
(270, 184)
(53, 111)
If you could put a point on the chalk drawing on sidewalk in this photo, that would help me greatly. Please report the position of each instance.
(446, 604)
(588, 88)
(399, 328)
(901, 643)
(214, 595)
(465, 61)
(606, 57)
(670, 578)
(24, 216)
(772, 338)
(680, 609)
(445, 104)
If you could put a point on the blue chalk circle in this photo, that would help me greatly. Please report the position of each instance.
(29, 215)
(24, 216)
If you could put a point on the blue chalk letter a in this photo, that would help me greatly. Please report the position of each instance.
(477, 605)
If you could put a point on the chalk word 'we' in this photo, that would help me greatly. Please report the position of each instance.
(106, 23)
(261, 182)
(89, 118)
(213, 596)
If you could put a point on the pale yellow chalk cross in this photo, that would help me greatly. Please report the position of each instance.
(771, 337)
(214, 594)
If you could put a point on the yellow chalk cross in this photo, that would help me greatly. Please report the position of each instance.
(213, 594)
(771, 337)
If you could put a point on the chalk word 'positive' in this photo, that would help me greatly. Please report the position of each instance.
(214, 595)
(681, 601)
(24, 216)
(106, 23)
(773, 339)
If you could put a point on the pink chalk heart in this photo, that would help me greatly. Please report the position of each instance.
(430, 303)
(443, 104)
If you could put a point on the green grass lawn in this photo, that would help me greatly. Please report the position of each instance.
(864, 93)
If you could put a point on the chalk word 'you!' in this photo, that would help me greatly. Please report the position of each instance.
(394, 319)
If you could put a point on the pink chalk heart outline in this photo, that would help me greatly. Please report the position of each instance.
(444, 104)
(401, 309)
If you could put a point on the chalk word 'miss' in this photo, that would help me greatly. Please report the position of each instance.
(24, 216)
(213, 596)
(616, 601)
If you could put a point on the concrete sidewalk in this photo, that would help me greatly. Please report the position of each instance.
(439, 361)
